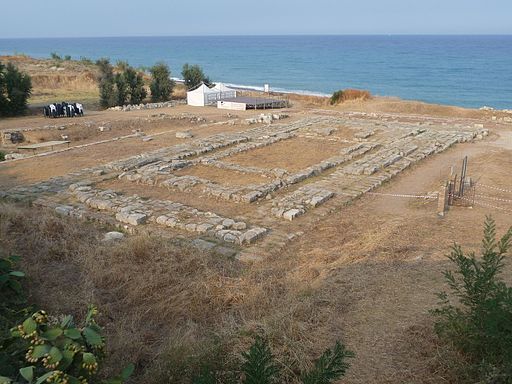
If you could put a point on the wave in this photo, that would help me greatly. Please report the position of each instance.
(279, 90)
(244, 87)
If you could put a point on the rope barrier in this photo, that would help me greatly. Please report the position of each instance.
(487, 205)
(493, 198)
(495, 188)
(402, 195)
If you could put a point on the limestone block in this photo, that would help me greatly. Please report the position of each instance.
(292, 214)
(228, 223)
(184, 135)
(114, 235)
(131, 218)
(239, 226)
(64, 210)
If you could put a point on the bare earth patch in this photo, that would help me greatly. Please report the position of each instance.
(222, 176)
(293, 154)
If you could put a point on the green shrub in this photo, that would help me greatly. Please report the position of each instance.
(350, 94)
(15, 89)
(259, 367)
(62, 352)
(126, 86)
(67, 57)
(2, 156)
(13, 308)
(135, 85)
(55, 56)
(193, 76)
(476, 318)
(329, 367)
(108, 94)
(336, 97)
(161, 83)
(10, 287)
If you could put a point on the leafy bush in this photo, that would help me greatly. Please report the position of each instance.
(135, 85)
(60, 351)
(193, 76)
(67, 57)
(55, 56)
(477, 317)
(126, 86)
(329, 367)
(10, 287)
(259, 367)
(15, 89)
(161, 84)
(349, 94)
(13, 308)
(2, 156)
(108, 95)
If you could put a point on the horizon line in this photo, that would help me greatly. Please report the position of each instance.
(260, 35)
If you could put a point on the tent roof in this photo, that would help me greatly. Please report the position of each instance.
(203, 88)
(221, 87)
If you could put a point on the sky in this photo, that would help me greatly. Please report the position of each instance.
(90, 18)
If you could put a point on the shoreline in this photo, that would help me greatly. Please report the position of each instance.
(68, 69)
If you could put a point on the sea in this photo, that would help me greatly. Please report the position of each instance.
(468, 71)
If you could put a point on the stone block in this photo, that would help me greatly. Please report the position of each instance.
(252, 235)
(228, 223)
(240, 226)
(114, 235)
(292, 214)
(184, 135)
(131, 218)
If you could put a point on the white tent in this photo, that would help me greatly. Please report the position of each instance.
(202, 95)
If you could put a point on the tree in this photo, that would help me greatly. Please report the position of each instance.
(161, 83)
(193, 76)
(135, 85)
(108, 94)
(126, 86)
(15, 89)
(121, 89)
(477, 318)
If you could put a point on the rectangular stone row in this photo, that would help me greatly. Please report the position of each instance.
(265, 172)
(133, 210)
(297, 203)
(252, 193)
(171, 158)
(352, 185)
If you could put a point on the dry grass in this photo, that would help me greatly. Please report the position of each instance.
(58, 80)
(292, 154)
(164, 306)
(350, 95)
(179, 92)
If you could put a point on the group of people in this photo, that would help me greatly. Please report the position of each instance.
(63, 109)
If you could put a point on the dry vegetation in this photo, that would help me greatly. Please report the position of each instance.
(166, 307)
(342, 96)
(57, 80)
(366, 275)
